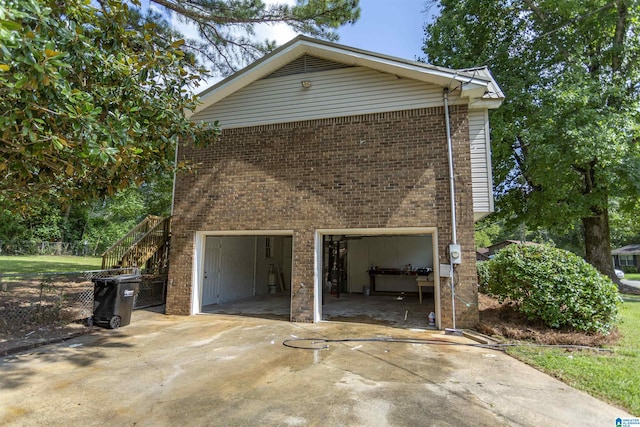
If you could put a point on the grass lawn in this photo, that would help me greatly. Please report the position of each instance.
(632, 276)
(47, 264)
(611, 376)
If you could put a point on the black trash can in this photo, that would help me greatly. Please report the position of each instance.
(113, 299)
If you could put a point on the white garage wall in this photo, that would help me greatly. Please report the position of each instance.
(280, 254)
(262, 266)
(357, 264)
(236, 268)
(387, 252)
(287, 259)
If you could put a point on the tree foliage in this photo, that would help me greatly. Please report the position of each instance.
(92, 99)
(110, 219)
(93, 94)
(492, 229)
(227, 27)
(625, 226)
(566, 138)
(87, 228)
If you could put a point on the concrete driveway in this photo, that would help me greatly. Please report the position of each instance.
(634, 283)
(225, 370)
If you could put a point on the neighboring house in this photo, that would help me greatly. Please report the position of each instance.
(482, 254)
(327, 149)
(627, 256)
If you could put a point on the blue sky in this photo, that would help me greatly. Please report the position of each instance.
(392, 27)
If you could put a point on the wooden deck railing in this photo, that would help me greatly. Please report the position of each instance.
(148, 245)
(113, 257)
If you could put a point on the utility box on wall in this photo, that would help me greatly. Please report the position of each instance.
(455, 254)
(445, 270)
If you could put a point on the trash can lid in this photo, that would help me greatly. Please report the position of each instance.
(119, 279)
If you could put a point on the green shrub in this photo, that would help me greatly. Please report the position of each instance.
(482, 268)
(554, 286)
(629, 269)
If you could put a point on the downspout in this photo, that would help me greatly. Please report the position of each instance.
(454, 239)
(452, 187)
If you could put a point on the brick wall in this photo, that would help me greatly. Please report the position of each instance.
(368, 171)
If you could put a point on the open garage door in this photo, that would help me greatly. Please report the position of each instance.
(380, 278)
(246, 275)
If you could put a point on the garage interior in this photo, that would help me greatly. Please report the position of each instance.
(366, 278)
(247, 275)
(375, 278)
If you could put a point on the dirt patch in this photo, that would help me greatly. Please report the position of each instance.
(39, 309)
(33, 337)
(502, 322)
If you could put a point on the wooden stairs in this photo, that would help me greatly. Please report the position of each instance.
(146, 246)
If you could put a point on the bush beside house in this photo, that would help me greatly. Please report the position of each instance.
(552, 285)
(482, 267)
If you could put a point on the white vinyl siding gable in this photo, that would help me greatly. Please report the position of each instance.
(481, 177)
(335, 93)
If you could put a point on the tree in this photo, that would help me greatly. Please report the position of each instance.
(83, 228)
(112, 218)
(493, 229)
(227, 27)
(625, 227)
(92, 99)
(566, 138)
(93, 94)
(45, 221)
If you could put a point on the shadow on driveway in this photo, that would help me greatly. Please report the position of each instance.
(230, 370)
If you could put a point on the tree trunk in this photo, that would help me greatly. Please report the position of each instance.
(598, 243)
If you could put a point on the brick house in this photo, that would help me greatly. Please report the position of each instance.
(333, 168)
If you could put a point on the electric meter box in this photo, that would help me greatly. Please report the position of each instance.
(455, 254)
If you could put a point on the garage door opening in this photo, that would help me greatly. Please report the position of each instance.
(382, 279)
(246, 275)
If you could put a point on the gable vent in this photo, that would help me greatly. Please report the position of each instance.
(306, 64)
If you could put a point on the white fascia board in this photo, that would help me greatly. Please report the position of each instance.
(485, 104)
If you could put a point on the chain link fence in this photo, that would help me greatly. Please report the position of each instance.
(47, 299)
(152, 291)
(41, 304)
(34, 247)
